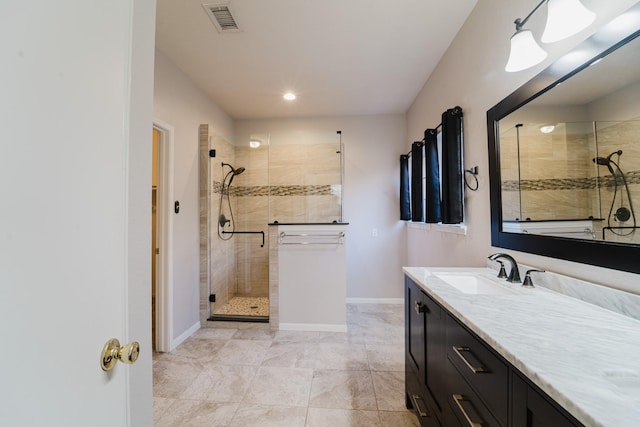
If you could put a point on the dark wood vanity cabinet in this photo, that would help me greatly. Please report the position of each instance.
(533, 408)
(424, 355)
(481, 394)
(453, 378)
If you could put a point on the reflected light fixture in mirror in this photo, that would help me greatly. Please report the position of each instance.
(564, 19)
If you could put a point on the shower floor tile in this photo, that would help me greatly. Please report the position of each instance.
(245, 306)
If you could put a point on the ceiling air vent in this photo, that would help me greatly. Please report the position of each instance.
(220, 15)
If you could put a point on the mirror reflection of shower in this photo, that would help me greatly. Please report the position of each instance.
(227, 226)
(622, 214)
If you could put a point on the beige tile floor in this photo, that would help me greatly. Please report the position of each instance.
(244, 374)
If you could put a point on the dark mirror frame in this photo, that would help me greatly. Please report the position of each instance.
(619, 256)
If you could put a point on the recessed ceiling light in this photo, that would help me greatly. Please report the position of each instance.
(547, 128)
(289, 96)
(255, 143)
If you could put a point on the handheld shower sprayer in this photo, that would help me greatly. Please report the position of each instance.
(622, 214)
(606, 161)
(222, 219)
(233, 173)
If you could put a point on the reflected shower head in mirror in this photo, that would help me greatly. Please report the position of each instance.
(606, 161)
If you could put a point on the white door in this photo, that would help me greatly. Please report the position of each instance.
(76, 81)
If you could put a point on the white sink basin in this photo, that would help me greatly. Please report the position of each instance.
(475, 284)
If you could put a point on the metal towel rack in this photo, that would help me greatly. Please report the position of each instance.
(312, 238)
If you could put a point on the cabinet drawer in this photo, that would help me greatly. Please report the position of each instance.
(485, 372)
(418, 399)
(465, 408)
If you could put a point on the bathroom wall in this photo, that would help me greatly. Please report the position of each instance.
(181, 105)
(372, 146)
(471, 74)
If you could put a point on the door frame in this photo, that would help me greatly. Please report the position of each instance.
(164, 277)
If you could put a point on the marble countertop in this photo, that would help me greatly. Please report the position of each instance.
(585, 357)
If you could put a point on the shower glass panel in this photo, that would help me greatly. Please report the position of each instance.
(306, 178)
(238, 212)
(573, 171)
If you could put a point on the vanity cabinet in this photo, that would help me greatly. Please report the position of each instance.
(453, 378)
(483, 371)
(532, 408)
(424, 356)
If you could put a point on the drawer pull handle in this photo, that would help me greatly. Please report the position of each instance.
(420, 307)
(422, 413)
(458, 398)
(475, 368)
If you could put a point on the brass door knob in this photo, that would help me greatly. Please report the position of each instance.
(112, 352)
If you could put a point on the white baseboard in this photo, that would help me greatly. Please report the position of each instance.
(186, 334)
(375, 300)
(314, 327)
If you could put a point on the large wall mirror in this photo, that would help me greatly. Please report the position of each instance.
(564, 155)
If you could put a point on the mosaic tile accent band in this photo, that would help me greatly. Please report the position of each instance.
(278, 190)
(633, 177)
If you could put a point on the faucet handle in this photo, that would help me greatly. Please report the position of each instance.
(527, 282)
(502, 273)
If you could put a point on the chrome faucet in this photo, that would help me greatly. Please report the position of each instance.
(514, 274)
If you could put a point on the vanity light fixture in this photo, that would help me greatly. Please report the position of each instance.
(564, 19)
(289, 96)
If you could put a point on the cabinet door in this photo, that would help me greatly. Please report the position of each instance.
(418, 350)
(436, 357)
(533, 409)
(415, 329)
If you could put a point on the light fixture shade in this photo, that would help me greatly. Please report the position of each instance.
(525, 52)
(564, 19)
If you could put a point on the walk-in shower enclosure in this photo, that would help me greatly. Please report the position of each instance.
(282, 179)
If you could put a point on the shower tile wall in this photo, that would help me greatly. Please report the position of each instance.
(614, 136)
(555, 171)
(305, 183)
(251, 194)
(559, 179)
(217, 269)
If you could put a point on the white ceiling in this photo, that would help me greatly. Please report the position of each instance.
(341, 57)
